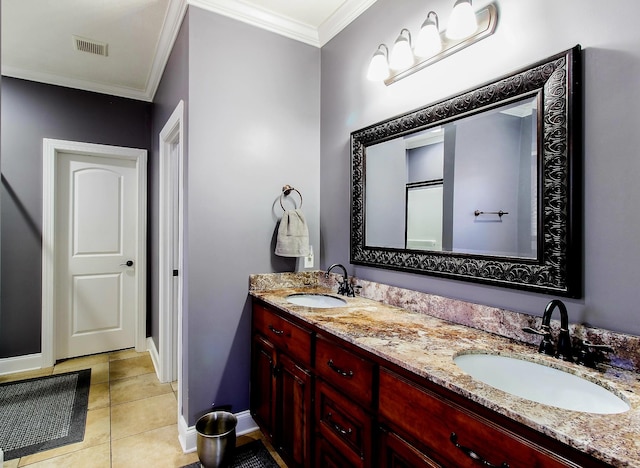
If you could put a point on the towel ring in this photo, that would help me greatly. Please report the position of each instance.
(286, 190)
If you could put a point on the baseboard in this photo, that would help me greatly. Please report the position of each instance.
(155, 357)
(188, 436)
(20, 363)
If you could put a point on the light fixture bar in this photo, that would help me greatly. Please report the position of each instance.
(487, 20)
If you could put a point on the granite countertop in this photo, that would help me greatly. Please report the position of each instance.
(426, 346)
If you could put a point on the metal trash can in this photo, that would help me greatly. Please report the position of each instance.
(216, 439)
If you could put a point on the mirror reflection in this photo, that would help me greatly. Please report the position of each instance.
(467, 186)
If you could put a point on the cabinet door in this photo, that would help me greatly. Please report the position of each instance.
(288, 337)
(294, 412)
(345, 370)
(328, 457)
(344, 424)
(395, 452)
(454, 435)
(263, 385)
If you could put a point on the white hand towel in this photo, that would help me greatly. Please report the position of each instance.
(293, 235)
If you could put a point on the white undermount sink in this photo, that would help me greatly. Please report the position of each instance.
(540, 383)
(319, 301)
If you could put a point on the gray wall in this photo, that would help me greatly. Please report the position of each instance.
(30, 112)
(254, 126)
(528, 31)
(386, 173)
(486, 179)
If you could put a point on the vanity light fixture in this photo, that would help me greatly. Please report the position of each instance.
(462, 22)
(429, 42)
(465, 27)
(401, 54)
(379, 65)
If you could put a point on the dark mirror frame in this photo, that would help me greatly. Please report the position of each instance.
(557, 268)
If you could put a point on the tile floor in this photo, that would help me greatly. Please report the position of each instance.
(131, 420)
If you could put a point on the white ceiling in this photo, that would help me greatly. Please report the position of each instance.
(37, 36)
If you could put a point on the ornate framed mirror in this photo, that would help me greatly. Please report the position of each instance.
(482, 186)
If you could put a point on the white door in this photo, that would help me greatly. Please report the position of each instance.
(96, 254)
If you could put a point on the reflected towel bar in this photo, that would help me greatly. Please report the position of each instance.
(286, 190)
(499, 213)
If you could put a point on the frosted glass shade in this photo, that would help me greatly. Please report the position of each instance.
(401, 54)
(428, 42)
(378, 67)
(462, 22)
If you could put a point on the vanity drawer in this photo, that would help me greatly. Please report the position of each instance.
(439, 425)
(352, 374)
(285, 335)
(343, 423)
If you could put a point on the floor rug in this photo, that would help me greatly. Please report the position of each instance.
(43, 413)
(251, 455)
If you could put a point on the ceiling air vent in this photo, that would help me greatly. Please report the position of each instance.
(90, 46)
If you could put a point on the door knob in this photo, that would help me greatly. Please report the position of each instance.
(128, 263)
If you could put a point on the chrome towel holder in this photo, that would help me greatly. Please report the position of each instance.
(499, 213)
(286, 190)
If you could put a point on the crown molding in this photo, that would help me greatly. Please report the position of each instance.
(170, 29)
(84, 85)
(262, 19)
(348, 12)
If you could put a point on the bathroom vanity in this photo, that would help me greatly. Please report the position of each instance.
(368, 384)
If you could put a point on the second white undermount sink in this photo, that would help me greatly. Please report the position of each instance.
(318, 301)
(542, 384)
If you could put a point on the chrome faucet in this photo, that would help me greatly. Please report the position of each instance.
(564, 350)
(345, 288)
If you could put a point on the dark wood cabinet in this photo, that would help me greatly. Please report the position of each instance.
(263, 385)
(294, 424)
(328, 456)
(344, 424)
(344, 401)
(451, 434)
(324, 402)
(281, 392)
(346, 370)
(396, 452)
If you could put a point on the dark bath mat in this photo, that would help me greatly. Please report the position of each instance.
(43, 413)
(251, 455)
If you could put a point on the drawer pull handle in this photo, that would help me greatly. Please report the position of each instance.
(337, 427)
(347, 374)
(275, 330)
(473, 455)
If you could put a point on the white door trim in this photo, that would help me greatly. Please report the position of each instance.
(172, 134)
(51, 148)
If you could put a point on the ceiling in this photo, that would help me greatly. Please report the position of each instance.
(39, 36)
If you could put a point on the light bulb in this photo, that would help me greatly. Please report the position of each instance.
(462, 22)
(378, 67)
(428, 42)
(401, 54)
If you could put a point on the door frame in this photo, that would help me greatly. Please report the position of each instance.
(170, 323)
(50, 150)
